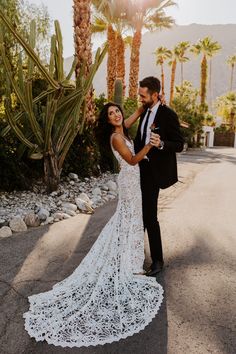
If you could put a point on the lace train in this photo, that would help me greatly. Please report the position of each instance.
(103, 300)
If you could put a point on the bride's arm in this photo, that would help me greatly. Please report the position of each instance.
(132, 119)
(120, 146)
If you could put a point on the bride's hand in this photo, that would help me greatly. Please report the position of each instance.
(162, 99)
(155, 140)
(140, 110)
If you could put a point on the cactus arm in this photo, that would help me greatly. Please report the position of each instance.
(9, 74)
(19, 115)
(50, 117)
(72, 70)
(17, 130)
(29, 105)
(32, 42)
(59, 49)
(118, 92)
(28, 50)
(20, 73)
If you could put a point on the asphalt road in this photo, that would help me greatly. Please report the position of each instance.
(198, 222)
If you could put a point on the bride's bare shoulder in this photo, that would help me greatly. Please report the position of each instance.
(117, 139)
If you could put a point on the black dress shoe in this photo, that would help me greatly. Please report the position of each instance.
(156, 267)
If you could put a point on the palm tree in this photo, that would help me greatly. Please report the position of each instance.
(173, 62)
(226, 106)
(208, 49)
(231, 61)
(83, 47)
(182, 48)
(109, 18)
(162, 54)
(149, 14)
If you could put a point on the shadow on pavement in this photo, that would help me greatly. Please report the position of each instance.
(30, 264)
(208, 155)
(199, 293)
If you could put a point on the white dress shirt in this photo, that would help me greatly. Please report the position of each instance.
(150, 121)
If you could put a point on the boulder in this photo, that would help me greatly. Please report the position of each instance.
(43, 214)
(5, 231)
(17, 224)
(111, 186)
(73, 176)
(32, 220)
(69, 206)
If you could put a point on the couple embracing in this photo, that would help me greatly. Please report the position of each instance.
(109, 296)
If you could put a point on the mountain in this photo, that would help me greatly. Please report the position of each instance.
(224, 34)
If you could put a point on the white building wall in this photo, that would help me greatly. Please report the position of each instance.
(208, 136)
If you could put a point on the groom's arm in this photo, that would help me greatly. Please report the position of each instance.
(173, 140)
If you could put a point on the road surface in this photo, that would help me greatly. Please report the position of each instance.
(198, 222)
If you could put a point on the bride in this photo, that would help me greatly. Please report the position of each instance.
(107, 297)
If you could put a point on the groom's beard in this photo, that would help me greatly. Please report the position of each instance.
(147, 105)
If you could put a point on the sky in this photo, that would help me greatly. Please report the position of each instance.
(187, 12)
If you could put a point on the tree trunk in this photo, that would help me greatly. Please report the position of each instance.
(172, 80)
(232, 121)
(83, 47)
(162, 80)
(111, 62)
(120, 55)
(210, 85)
(203, 80)
(231, 77)
(51, 172)
(134, 65)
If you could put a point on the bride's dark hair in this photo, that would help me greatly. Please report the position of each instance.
(105, 127)
(103, 132)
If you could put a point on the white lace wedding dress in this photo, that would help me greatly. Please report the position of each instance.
(104, 299)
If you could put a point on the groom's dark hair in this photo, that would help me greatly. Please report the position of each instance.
(152, 83)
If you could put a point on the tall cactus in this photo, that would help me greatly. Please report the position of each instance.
(62, 116)
(118, 92)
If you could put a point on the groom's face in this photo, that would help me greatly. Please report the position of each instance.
(147, 99)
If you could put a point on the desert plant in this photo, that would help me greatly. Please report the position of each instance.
(56, 115)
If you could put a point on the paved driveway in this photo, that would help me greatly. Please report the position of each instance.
(198, 221)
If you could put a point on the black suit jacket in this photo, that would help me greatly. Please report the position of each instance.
(163, 163)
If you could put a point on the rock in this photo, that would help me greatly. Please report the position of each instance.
(17, 224)
(97, 191)
(58, 216)
(69, 212)
(111, 186)
(104, 188)
(113, 193)
(73, 176)
(3, 222)
(96, 198)
(83, 205)
(32, 220)
(5, 231)
(43, 214)
(66, 216)
(106, 199)
(84, 197)
(53, 194)
(72, 183)
(69, 206)
(64, 196)
(49, 220)
(37, 207)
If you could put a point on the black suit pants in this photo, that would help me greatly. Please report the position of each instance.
(150, 192)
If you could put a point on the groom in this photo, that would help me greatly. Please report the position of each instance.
(159, 168)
